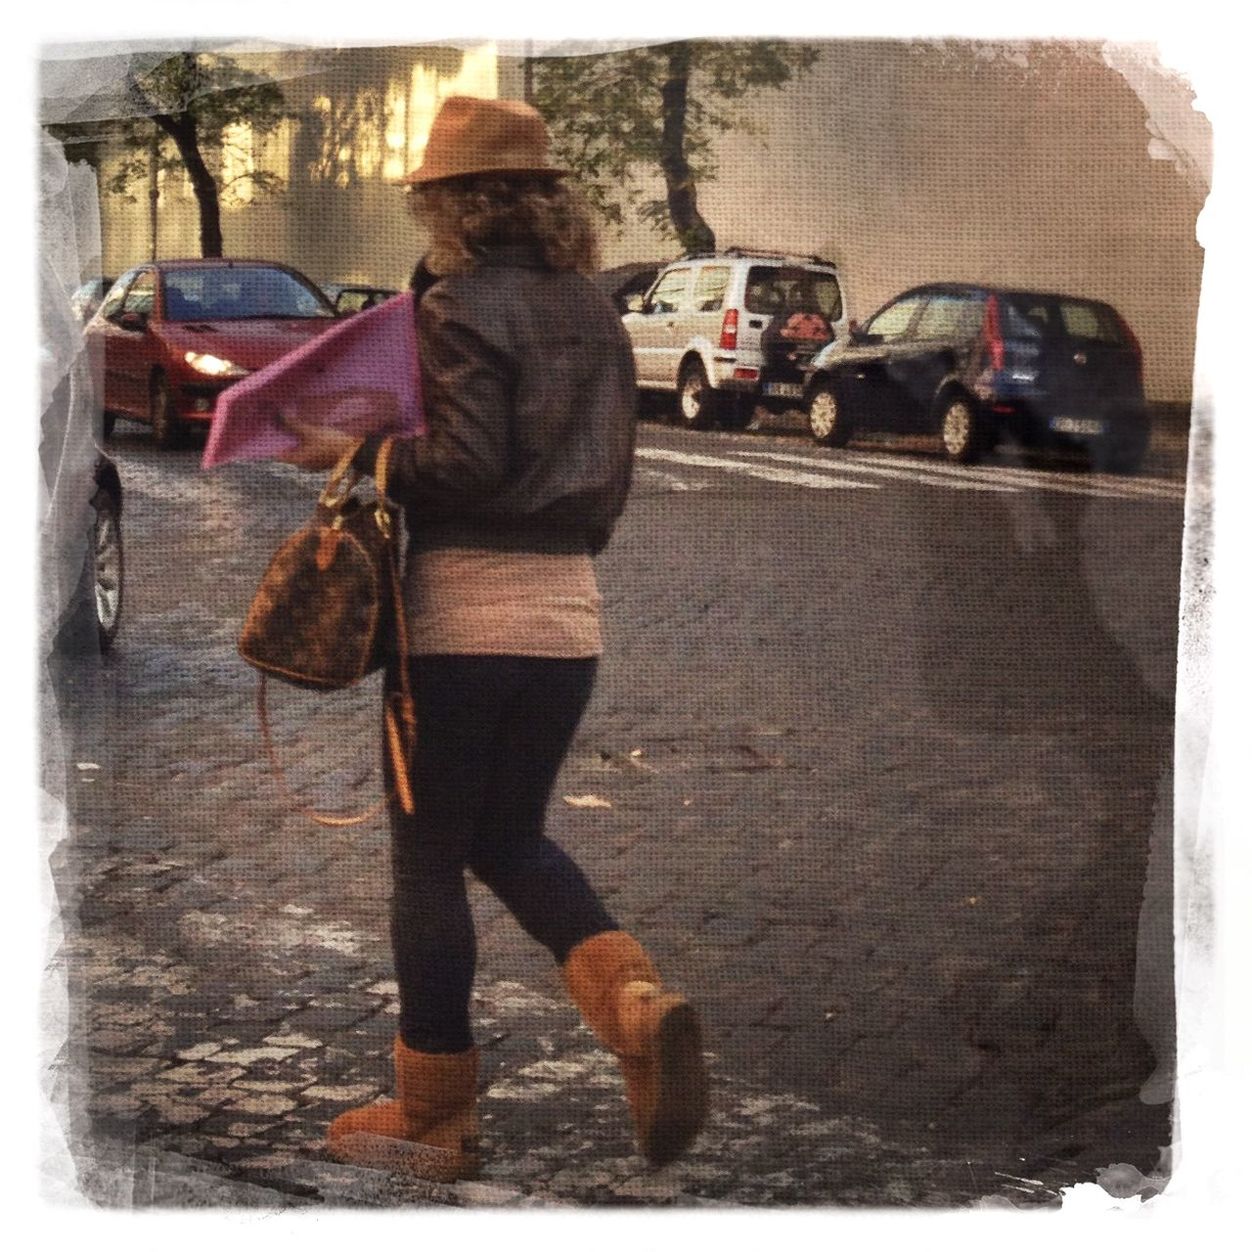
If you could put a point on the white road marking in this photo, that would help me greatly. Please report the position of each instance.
(1046, 480)
(918, 474)
(793, 478)
(825, 473)
(675, 482)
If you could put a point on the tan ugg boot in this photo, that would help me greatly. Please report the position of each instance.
(430, 1130)
(654, 1033)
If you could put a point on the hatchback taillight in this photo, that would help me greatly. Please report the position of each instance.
(730, 331)
(993, 339)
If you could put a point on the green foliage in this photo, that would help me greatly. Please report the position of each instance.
(605, 113)
(346, 125)
(1013, 61)
(207, 93)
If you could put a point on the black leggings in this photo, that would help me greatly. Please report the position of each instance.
(492, 732)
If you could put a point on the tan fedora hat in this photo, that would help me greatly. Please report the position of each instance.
(474, 136)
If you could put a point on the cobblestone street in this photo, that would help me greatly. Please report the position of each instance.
(876, 774)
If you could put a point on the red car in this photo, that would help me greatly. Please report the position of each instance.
(175, 334)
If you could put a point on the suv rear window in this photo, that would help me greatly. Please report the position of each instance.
(774, 289)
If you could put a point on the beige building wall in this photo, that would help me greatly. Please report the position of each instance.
(908, 165)
(903, 162)
(361, 119)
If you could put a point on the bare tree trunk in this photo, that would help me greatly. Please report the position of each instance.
(694, 233)
(154, 189)
(182, 130)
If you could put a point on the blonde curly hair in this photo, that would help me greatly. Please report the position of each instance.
(463, 214)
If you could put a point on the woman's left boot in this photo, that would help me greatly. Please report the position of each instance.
(654, 1033)
(430, 1130)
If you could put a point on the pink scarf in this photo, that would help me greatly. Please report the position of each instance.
(361, 377)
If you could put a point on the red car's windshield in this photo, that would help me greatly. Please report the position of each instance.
(208, 293)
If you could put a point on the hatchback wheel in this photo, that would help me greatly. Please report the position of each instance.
(107, 549)
(167, 430)
(828, 418)
(697, 401)
(959, 429)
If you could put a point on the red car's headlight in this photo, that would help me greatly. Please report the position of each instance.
(213, 366)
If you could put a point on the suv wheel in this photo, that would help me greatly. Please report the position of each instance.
(697, 401)
(828, 418)
(959, 429)
(107, 555)
(166, 428)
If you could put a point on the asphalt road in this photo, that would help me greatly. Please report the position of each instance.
(882, 747)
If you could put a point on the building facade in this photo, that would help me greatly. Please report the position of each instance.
(359, 121)
(905, 162)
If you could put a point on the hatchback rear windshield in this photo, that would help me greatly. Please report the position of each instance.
(1046, 316)
(774, 289)
(207, 293)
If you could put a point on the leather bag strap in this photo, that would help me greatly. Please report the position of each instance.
(399, 716)
(280, 776)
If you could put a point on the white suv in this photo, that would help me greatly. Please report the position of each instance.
(728, 330)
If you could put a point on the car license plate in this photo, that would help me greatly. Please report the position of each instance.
(790, 391)
(1077, 425)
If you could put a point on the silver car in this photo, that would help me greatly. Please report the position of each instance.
(728, 330)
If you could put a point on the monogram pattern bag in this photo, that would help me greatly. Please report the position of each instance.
(329, 611)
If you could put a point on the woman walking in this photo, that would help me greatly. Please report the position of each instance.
(529, 394)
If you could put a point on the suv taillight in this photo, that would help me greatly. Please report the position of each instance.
(992, 339)
(730, 331)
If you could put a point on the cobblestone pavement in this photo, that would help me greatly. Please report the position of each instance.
(877, 774)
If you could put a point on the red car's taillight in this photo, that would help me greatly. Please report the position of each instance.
(992, 339)
(730, 331)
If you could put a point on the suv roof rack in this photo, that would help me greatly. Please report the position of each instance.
(761, 252)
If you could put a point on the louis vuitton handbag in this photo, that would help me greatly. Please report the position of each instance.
(329, 611)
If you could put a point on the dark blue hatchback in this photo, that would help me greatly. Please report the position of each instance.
(975, 364)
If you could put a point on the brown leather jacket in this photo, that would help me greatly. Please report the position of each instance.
(528, 385)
